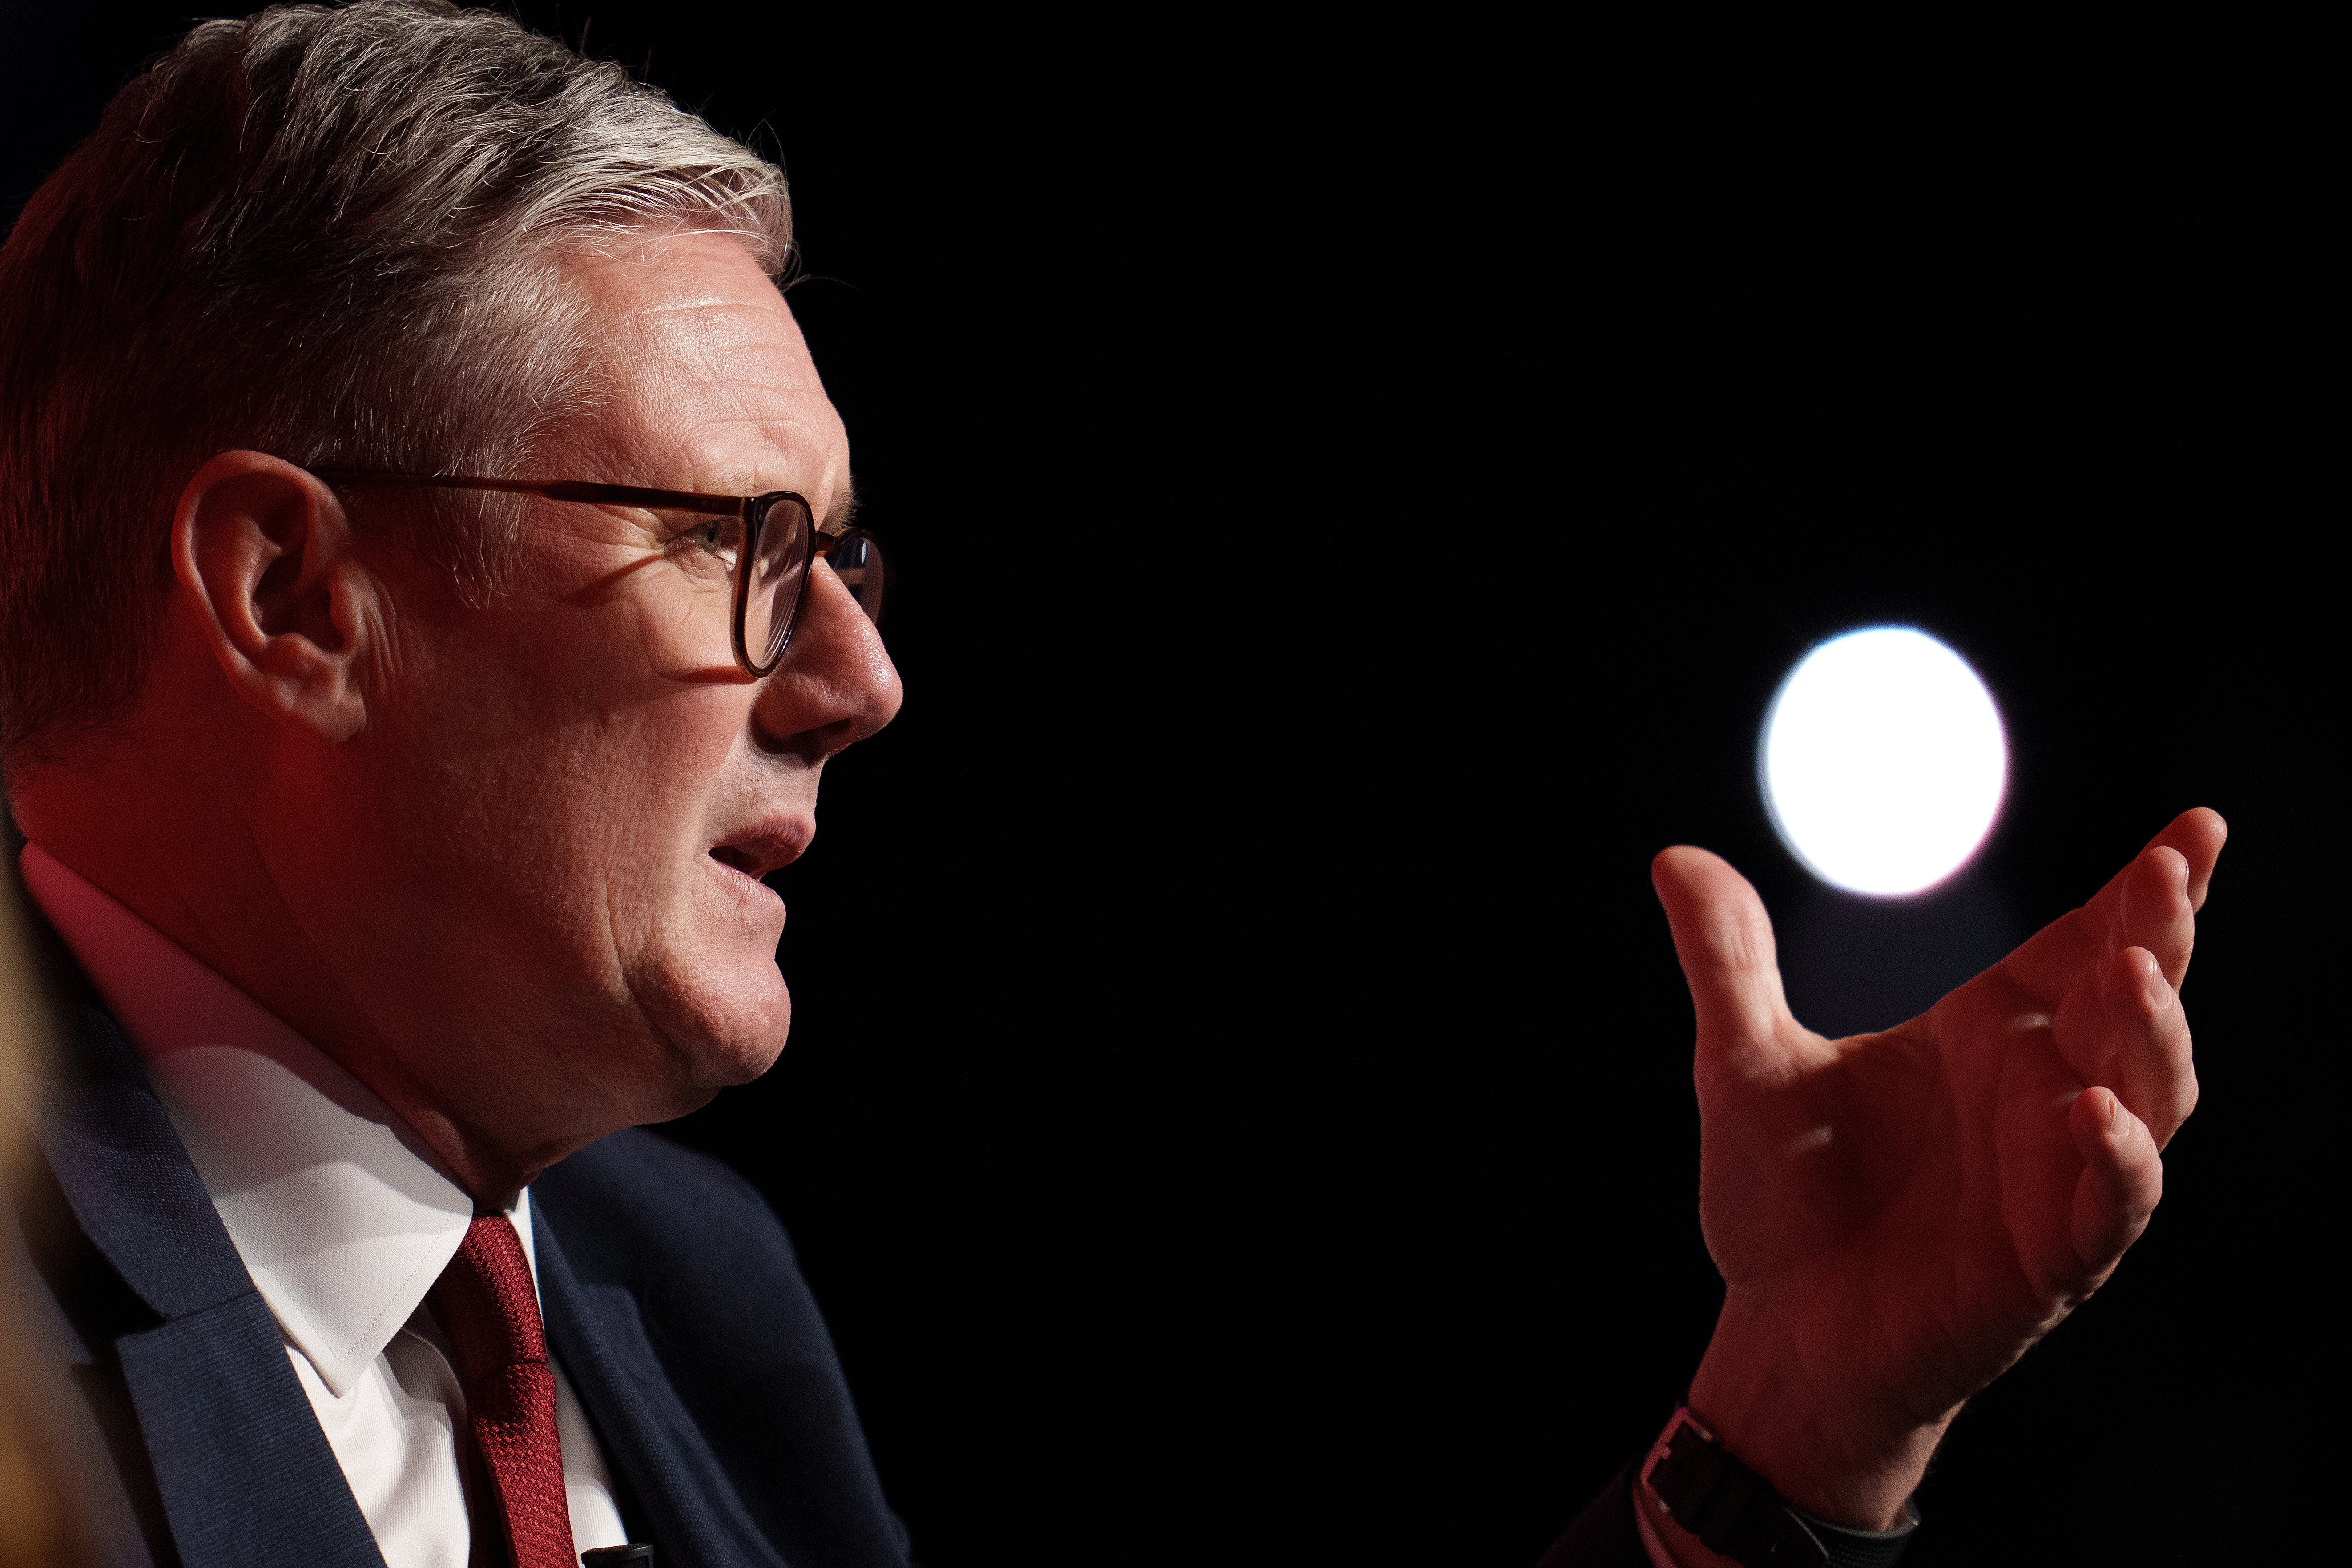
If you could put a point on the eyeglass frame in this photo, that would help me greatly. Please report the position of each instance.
(752, 510)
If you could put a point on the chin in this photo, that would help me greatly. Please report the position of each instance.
(710, 988)
(724, 1015)
(739, 1058)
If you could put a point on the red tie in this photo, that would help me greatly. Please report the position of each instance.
(490, 1312)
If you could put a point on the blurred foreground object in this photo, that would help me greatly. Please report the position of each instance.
(37, 1519)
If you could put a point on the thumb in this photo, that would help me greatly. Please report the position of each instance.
(1724, 938)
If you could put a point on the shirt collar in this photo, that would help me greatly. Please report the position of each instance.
(344, 1216)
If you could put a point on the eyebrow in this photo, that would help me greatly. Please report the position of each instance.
(845, 508)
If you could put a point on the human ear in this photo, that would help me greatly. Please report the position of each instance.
(263, 552)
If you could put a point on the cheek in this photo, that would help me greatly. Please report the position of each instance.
(644, 786)
(581, 810)
(695, 940)
(632, 905)
(560, 787)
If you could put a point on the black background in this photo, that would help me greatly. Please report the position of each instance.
(1355, 492)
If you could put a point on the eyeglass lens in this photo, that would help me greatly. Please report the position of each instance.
(856, 560)
(777, 572)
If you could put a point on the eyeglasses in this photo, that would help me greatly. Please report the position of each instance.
(769, 543)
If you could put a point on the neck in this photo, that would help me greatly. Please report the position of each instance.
(186, 860)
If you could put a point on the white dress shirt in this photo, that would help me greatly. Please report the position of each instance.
(342, 1216)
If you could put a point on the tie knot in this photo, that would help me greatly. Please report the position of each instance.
(486, 1302)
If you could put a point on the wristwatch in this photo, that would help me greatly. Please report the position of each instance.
(1736, 1512)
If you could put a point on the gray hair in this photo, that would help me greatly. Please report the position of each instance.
(328, 233)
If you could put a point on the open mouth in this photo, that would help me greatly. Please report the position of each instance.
(770, 847)
(740, 859)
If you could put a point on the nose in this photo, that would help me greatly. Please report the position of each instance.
(836, 685)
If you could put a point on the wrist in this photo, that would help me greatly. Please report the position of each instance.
(1662, 1534)
(1832, 1447)
(1696, 1506)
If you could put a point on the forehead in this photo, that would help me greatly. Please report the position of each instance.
(706, 381)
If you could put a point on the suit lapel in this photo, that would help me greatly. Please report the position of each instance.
(246, 1475)
(598, 1333)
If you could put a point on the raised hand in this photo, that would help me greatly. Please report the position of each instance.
(1898, 1217)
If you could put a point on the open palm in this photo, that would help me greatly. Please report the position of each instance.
(1898, 1217)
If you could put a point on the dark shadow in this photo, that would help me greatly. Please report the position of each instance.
(602, 589)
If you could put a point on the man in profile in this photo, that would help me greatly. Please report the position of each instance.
(401, 839)
(428, 597)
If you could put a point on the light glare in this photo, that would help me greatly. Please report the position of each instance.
(1884, 761)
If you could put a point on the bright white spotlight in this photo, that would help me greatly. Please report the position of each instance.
(1882, 761)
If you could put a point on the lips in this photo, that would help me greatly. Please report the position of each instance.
(767, 847)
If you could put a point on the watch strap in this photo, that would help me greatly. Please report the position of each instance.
(1737, 1514)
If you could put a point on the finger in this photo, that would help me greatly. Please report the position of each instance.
(2123, 1177)
(1724, 938)
(2050, 960)
(2148, 1033)
(2197, 836)
(2156, 914)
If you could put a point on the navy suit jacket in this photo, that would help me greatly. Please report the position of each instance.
(673, 1302)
